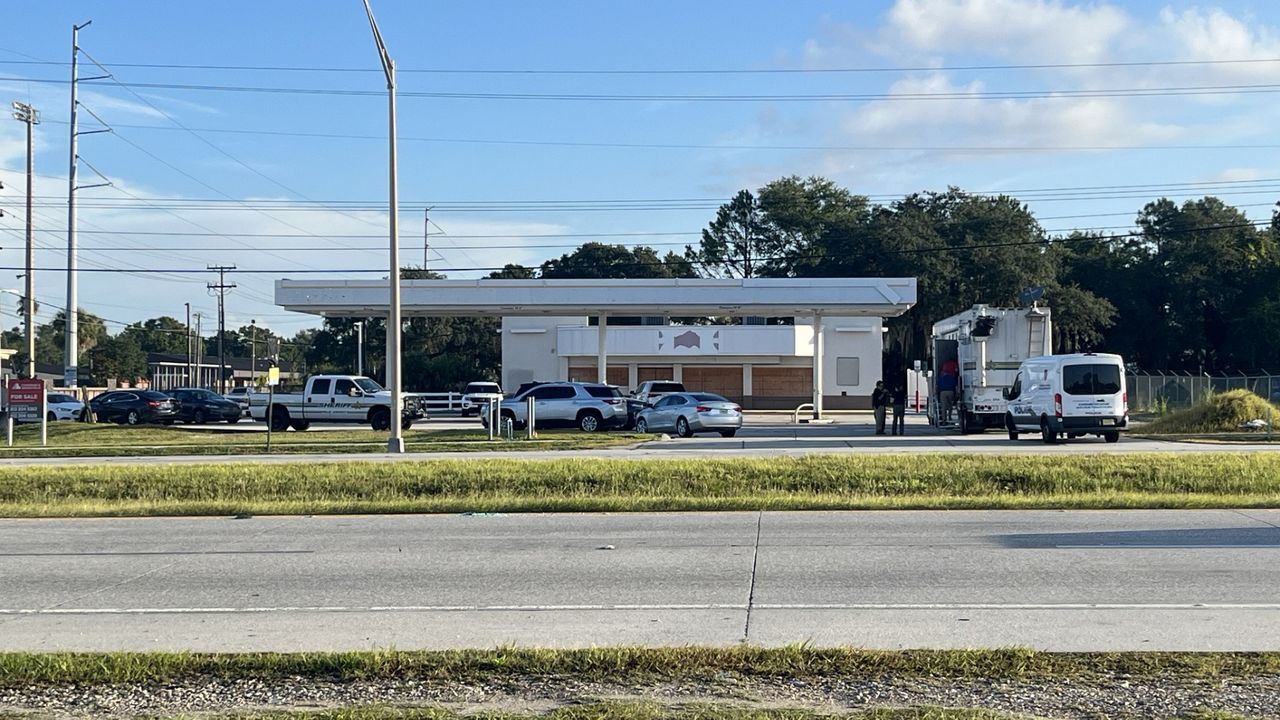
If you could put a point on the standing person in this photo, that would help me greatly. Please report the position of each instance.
(946, 396)
(899, 408)
(879, 402)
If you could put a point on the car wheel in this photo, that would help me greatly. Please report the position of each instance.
(83, 416)
(642, 426)
(682, 428)
(132, 418)
(1111, 436)
(965, 425)
(380, 419)
(233, 420)
(279, 419)
(728, 433)
(406, 423)
(51, 417)
(1046, 433)
(198, 417)
(1013, 429)
(589, 422)
(300, 425)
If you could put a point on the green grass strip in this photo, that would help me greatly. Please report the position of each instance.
(845, 482)
(621, 665)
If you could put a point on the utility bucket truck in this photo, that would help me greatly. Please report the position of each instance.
(981, 348)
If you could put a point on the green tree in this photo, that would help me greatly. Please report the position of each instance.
(735, 241)
(116, 358)
(51, 336)
(598, 260)
(805, 220)
(160, 335)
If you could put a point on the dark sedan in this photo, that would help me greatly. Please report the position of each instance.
(197, 406)
(133, 407)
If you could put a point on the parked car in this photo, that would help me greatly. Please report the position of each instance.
(133, 407)
(586, 406)
(478, 394)
(64, 407)
(1072, 395)
(338, 399)
(198, 406)
(649, 391)
(242, 396)
(687, 413)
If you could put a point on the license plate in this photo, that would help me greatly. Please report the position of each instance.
(722, 411)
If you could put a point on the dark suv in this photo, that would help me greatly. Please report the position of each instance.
(199, 406)
(133, 407)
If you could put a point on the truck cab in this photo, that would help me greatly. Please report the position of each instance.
(337, 399)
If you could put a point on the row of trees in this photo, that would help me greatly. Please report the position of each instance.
(1194, 287)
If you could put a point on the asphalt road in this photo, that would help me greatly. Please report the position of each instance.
(762, 436)
(1119, 580)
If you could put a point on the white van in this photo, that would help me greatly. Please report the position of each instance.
(1072, 395)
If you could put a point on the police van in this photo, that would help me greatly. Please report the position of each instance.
(1069, 395)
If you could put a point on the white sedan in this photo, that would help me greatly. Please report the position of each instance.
(687, 413)
(65, 407)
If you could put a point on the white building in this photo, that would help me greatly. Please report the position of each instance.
(761, 366)
(832, 355)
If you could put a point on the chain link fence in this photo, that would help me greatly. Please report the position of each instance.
(1170, 391)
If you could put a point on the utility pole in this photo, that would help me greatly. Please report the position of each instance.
(221, 288)
(199, 353)
(426, 235)
(395, 441)
(360, 347)
(27, 114)
(188, 306)
(71, 359)
(253, 354)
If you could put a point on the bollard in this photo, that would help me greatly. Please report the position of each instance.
(8, 429)
(529, 417)
(509, 427)
(491, 419)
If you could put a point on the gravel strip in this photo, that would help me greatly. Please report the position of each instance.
(1065, 699)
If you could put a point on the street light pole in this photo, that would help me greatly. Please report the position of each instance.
(31, 117)
(395, 441)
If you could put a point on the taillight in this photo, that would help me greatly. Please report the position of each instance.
(153, 403)
(737, 408)
(703, 408)
(1057, 404)
(613, 401)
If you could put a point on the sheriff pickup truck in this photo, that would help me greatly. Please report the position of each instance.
(337, 399)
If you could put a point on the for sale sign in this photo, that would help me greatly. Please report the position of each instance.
(26, 400)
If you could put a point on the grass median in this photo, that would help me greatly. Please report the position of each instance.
(70, 439)
(1185, 480)
(623, 665)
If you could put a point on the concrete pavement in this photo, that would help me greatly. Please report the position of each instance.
(1118, 580)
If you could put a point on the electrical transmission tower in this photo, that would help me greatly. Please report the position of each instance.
(220, 288)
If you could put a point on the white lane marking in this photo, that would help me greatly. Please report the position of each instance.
(672, 607)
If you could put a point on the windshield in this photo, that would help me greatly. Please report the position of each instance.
(368, 385)
(1091, 379)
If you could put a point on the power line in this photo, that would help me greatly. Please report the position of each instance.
(671, 71)
(1057, 94)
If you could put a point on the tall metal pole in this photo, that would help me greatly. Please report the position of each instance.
(71, 355)
(360, 347)
(199, 353)
(188, 306)
(253, 354)
(29, 115)
(395, 441)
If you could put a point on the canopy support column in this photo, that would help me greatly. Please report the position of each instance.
(817, 366)
(602, 357)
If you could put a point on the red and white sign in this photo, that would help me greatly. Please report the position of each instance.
(26, 400)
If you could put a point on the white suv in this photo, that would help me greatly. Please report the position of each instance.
(477, 395)
(586, 406)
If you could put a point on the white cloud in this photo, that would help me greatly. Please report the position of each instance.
(1022, 29)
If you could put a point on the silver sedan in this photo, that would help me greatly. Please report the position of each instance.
(690, 412)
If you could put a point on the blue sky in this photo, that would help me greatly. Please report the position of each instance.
(512, 154)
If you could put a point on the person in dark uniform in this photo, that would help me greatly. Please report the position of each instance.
(899, 399)
(879, 403)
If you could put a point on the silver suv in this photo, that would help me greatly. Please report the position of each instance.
(586, 406)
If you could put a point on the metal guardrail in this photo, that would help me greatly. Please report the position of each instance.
(795, 414)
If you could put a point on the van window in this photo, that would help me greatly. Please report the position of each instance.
(1016, 390)
(1091, 379)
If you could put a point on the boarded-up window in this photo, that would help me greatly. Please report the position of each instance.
(781, 381)
(848, 371)
(723, 380)
(617, 374)
(665, 372)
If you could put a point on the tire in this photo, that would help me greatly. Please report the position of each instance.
(51, 417)
(1111, 436)
(683, 429)
(966, 425)
(380, 419)
(1013, 429)
(728, 433)
(83, 416)
(198, 418)
(406, 423)
(1046, 433)
(300, 425)
(233, 420)
(505, 416)
(133, 418)
(1072, 436)
(279, 419)
(590, 421)
(642, 426)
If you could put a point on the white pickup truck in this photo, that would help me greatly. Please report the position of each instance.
(337, 399)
